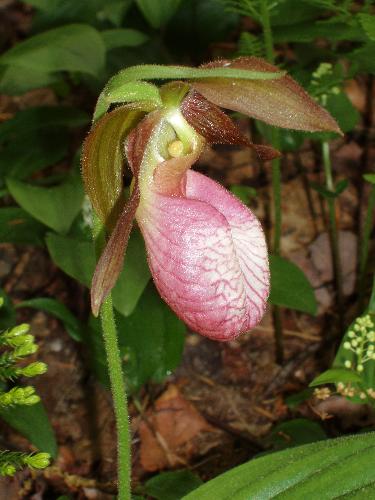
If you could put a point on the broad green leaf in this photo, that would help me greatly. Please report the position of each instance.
(363, 58)
(291, 12)
(17, 226)
(77, 259)
(171, 485)
(28, 153)
(198, 24)
(34, 119)
(7, 312)
(243, 193)
(290, 287)
(74, 47)
(343, 111)
(295, 432)
(114, 11)
(121, 37)
(152, 339)
(134, 276)
(158, 12)
(59, 310)
(32, 422)
(56, 207)
(336, 375)
(368, 24)
(13, 81)
(325, 470)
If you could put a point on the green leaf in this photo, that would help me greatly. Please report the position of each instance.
(13, 81)
(363, 58)
(295, 432)
(326, 193)
(343, 111)
(295, 400)
(336, 375)
(77, 259)
(34, 119)
(152, 339)
(134, 276)
(158, 12)
(369, 178)
(325, 470)
(290, 287)
(57, 309)
(29, 153)
(172, 485)
(56, 207)
(32, 422)
(74, 47)
(368, 24)
(308, 32)
(17, 226)
(121, 37)
(243, 193)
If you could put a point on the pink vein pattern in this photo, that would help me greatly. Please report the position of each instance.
(208, 256)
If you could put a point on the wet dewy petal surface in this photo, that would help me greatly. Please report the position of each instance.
(208, 257)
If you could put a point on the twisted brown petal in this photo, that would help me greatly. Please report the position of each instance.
(281, 102)
(216, 127)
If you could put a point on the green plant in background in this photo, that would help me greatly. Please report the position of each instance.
(16, 345)
(353, 370)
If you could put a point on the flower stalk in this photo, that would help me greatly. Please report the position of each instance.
(333, 232)
(116, 377)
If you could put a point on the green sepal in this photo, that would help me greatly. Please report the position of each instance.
(103, 158)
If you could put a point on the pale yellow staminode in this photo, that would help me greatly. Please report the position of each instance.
(176, 149)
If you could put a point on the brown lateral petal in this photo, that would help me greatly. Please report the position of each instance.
(102, 161)
(111, 261)
(217, 127)
(281, 102)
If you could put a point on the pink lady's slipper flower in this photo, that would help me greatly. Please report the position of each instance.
(206, 250)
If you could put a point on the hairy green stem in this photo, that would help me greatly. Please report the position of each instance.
(118, 389)
(333, 232)
(364, 246)
(276, 182)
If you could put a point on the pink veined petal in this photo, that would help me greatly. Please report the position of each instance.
(208, 257)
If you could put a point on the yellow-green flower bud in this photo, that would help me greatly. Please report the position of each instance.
(18, 330)
(33, 369)
(38, 461)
